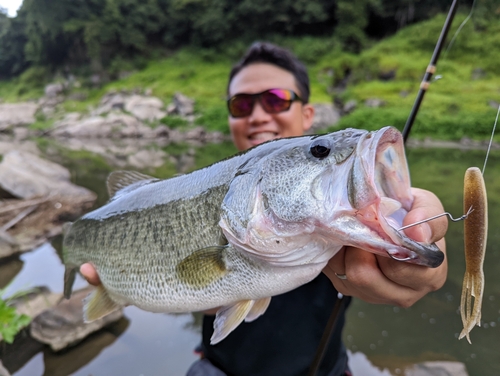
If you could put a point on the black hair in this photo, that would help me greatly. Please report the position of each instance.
(265, 52)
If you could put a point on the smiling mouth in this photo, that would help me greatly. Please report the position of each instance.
(262, 137)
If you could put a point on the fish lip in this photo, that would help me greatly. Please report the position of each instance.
(386, 170)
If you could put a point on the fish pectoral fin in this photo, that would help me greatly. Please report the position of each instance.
(258, 309)
(228, 318)
(69, 279)
(118, 180)
(202, 267)
(98, 304)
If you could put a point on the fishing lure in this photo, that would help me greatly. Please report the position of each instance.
(475, 237)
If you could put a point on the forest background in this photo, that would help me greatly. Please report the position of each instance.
(355, 50)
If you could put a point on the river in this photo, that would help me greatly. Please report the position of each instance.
(392, 338)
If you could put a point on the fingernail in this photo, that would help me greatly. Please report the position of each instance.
(426, 232)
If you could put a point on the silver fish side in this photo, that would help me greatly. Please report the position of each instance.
(236, 233)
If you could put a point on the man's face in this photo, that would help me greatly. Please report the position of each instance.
(261, 126)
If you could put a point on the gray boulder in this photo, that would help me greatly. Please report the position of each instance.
(145, 108)
(25, 175)
(114, 125)
(44, 199)
(14, 114)
(53, 90)
(63, 326)
(325, 115)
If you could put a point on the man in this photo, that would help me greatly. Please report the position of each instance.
(268, 95)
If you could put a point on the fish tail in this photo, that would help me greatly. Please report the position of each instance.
(98, 304)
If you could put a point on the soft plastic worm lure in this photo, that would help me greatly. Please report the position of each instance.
(475, 237)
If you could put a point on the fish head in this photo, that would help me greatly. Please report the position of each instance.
(311, 195)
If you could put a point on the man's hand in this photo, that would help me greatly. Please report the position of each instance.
(382, 280)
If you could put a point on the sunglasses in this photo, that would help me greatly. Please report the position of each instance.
(273, 101)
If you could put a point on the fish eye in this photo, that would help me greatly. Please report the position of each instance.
(320, 148)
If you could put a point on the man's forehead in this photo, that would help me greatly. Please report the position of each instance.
(257, 77)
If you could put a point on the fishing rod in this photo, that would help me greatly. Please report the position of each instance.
(431, 69)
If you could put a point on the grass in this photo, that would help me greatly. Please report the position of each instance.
(457, 104)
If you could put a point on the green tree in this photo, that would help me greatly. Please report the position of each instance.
(12, 42)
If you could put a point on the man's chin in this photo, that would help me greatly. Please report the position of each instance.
(258, 141)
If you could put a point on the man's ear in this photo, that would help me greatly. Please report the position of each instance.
(307, 116)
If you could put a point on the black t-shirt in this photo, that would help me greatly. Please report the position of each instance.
(284, 340)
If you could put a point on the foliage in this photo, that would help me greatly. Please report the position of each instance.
(215, 117)
(66, 35)
(174, 122)
(11, 322)
(460, 100)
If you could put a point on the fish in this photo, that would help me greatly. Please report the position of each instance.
(234, 234)
(475, 240)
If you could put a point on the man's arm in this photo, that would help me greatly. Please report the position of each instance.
(382, 280)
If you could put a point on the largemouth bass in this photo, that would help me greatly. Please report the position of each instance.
(240, 231)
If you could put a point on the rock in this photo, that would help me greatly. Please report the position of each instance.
(109, 102)
(14, 114)
(145, 108)
(437, 368)
(114, 125)
(36, 301)
(147, 158)
(8, 143)
(25, 175)
(48, 200)
(183, 105)
(374, 102)
(53, 90)
(325, 115)
(350, 106)
(63, 326)
(3, 371)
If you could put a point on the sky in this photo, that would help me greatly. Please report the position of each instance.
(11, 5)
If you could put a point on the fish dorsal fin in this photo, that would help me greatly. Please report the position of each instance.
(228, 318)
(119, 180)
(98, 304)
(258, 309)
(202, 267)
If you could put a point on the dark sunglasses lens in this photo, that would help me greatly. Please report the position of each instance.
(276, 100)
(241, 105)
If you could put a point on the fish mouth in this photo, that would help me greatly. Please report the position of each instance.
(379, 191)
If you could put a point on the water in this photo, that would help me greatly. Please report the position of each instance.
(144, 343)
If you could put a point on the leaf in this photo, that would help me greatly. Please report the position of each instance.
(11, 322)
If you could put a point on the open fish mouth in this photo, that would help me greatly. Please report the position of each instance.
(379, 191)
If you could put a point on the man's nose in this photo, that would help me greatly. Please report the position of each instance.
(258, 113)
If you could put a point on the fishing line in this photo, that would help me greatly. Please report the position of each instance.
(482, 173)
(459, 30)
(491, 141)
